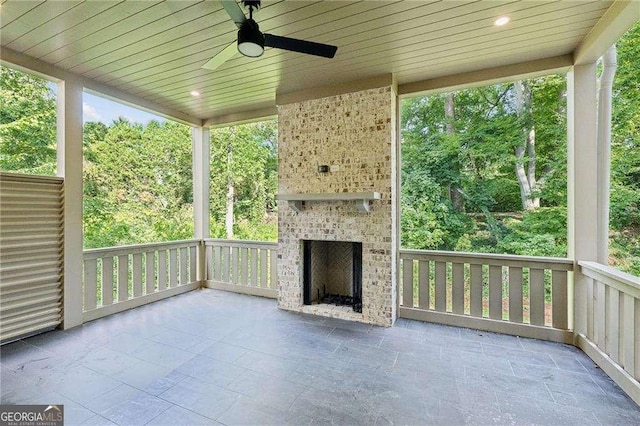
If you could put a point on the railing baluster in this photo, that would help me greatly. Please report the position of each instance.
(628, 330)
(441, 286)
(184, 270)
(475, 291)
(150, 273)
(598, 313)
(423, 285)
(515, 294)
(590, 291)
(173, 267)
(213, 267)
(495, 292)
(162, 269)
(559, 300)
(457, 288)
(244, 266)
(611, 338)
(273, 279)
(123, 277)
(225, 257)
(636, 339)
(136, 265)
(107, 281)
(264, 266)
(193, 262)
(235, 264)
(90, 284)
(536, 296)
(253, 254)
(407, 283)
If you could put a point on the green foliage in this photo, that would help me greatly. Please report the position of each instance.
(541, 232)
(138, 183)
(245, 156)
(471, 155)
(27, 124)
(625, 143)
(474, 153)
(428, 221)
(624, 250)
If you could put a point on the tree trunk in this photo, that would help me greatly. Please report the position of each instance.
(455, 194)
(525, 151)
(228, 220)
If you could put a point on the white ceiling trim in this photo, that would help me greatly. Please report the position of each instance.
(520, 70)
(242, 117)
(621, 16)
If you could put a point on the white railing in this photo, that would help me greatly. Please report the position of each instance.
(611, 335)
(120, 278)
(242, 266)
(525, 296)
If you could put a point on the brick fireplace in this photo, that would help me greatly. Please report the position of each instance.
(352, 132)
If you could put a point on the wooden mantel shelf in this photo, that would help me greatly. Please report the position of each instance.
(362, 199)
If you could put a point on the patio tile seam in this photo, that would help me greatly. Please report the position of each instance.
(151, 422)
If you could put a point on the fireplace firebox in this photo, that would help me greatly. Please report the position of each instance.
(332, 273)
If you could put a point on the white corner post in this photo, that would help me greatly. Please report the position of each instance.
(582, 191)
(69, 138)
(609, 65)
(201, 145)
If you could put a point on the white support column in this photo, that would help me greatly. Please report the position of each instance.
(201, 159)
(582, 166)
(69, 137)
(609, 65)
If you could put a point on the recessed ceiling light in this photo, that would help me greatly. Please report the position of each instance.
(503, 20)
(195, 93)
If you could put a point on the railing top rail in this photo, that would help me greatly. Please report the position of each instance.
(240, 243)
(489, 258)
(136, 248)
(609, 272)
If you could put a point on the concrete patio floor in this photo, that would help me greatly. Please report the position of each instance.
(210, 357)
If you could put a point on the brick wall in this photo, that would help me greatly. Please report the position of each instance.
(356, 132)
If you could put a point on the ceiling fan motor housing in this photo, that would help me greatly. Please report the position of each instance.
(250, 39)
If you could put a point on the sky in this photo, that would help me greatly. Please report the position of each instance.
(95, 108)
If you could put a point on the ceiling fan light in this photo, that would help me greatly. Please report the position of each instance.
(250, 39)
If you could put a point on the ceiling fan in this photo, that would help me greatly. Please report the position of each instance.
(251, 41)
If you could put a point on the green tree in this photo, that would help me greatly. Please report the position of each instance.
(244, 181)
(27, 124)
(138, 184)
(468, 154)
(625, 156)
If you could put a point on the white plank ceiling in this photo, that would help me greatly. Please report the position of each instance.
(155, 49)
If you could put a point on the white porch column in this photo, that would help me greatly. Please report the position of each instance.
(582, 167)
(201, 154)
(609, 65)
(69, 137)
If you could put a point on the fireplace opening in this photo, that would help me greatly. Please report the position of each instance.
(332, 273)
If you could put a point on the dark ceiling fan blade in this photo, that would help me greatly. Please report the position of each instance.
(233, 10)
(302, 46)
